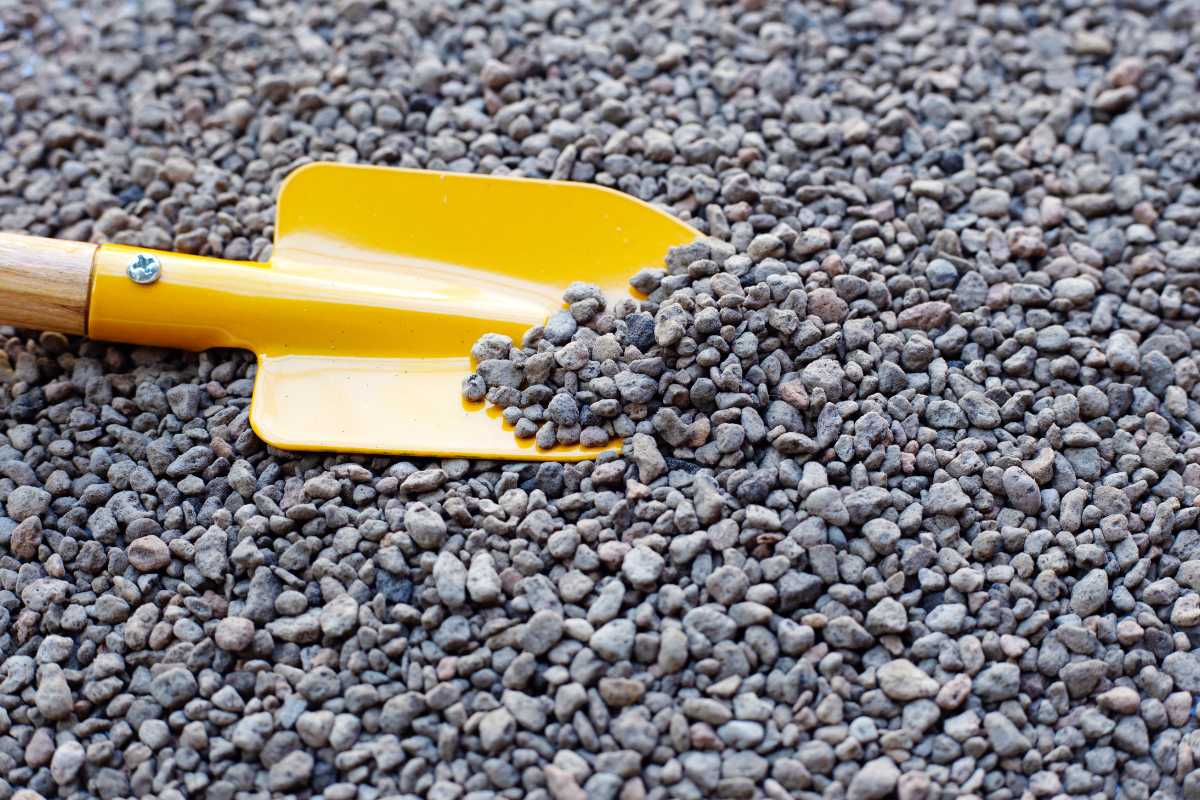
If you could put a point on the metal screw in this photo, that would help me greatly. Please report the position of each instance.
(144, 268)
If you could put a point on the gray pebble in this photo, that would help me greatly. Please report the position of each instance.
(1090, 593)
(339, 616)
(54, 698)
(27, 501)
(997, 682)
(291, 772)
(614, 640)
(902, 680)
(173, 687)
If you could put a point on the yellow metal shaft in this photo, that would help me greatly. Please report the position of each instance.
(347, 309)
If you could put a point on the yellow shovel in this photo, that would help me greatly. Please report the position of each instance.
(380, 281)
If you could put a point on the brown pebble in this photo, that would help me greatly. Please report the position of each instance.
(148, 554)
(26, 538)
(1127, 72)
(925, 316)
(621, 692)
(826, 304)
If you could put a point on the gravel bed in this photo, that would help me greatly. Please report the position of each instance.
(909, 496)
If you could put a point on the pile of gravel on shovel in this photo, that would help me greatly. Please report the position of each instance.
(908, 500)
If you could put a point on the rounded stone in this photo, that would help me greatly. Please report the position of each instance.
(148, 554)
(234, 634)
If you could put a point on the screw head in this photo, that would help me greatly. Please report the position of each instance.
(144, 268)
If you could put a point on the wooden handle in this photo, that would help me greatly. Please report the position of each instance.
(44, 283)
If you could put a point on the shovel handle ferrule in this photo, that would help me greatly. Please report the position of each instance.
(44, 283)
(163, 299)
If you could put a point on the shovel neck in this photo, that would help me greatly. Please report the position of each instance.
(295, 306)
(161, 299)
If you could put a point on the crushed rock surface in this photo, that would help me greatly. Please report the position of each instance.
(907, 503)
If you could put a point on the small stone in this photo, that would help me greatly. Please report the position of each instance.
(621, 692)
(424, 480)
(650, 462)
(1184, 667)
(827, 504)
(154, 733)
(825, 374)
(529, 712)
(741, 734)
(990, 203)
(450, 579)
(501, 373)
(563, 785)
(727, 585)
(981, 412)
(887, 616)
(184, 400)
(319, 685)
(954, 692)
(941, 274)
(211, 559)
(1120, 699)
(1022, 491)
(40, 748)
(483, 583)
(947, 498)
(339, 616)
(844, 632)
(25, 539)
(173, 687)
(1076, 291)
(1132, 736)
(190, 462)
(925, 316)
(946, 415)
(913, 786)
(614, 640)
(997, 682)
(1122, 353)
(67, 761)
(972, 291)
(53, 698)
(148, 554)
(812, 241)
(291, 772)
(1004, 736)
(27, 501)
(642, 567)
(496, 730)
(1090, 593)
(314, 727)
(826, 304)
(559, 329)
(765, 245)
(542, 632)
(427, 529)
(496, 74)
(234, 634)
(1186, 611)
(877, 779)
(902, 680)
(1184, 259)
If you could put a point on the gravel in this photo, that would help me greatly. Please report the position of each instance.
(907, 499)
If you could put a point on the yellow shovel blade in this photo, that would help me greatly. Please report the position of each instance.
(381, 281)
(413, 267)
(389, 405)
